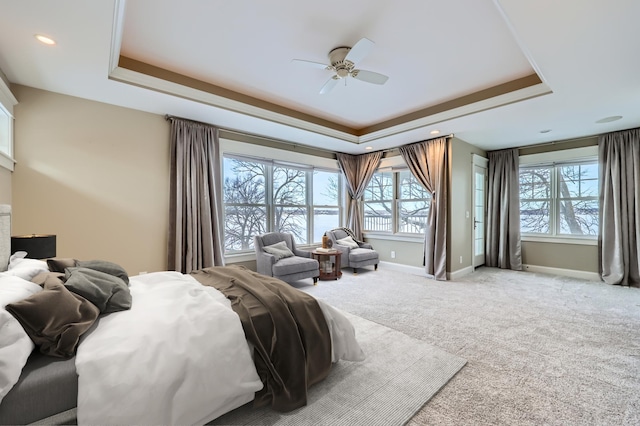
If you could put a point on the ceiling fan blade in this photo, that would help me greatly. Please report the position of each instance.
(359, 51)
(310, 63)
(369, 76)
(330, 84)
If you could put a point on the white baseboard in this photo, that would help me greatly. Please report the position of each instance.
(417, 270)
(573, 273)
(460, 273)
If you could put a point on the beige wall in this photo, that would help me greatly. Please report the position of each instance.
(96, 175)
(558, 255)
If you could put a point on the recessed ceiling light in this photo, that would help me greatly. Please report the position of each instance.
(545, 131)
(609, 119)
(435, 132)
(45, 39)
(368, 148)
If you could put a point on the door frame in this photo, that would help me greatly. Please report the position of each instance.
(481, 162)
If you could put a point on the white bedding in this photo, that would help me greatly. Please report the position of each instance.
(178, 356)
(15, 344)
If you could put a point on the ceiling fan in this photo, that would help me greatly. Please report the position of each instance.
(343, 60)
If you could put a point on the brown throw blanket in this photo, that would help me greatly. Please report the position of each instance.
(286, 326)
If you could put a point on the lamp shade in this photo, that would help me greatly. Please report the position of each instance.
(37, 246)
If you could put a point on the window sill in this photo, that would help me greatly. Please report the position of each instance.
(7, 162)
(410, 238)
(560, 240)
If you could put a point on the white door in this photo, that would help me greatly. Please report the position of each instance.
(479, 209)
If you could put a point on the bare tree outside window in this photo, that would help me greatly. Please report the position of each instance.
(559, 199)
(411, 201)
(245, 203)
(260, 197)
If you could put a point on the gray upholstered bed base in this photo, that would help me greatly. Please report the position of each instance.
(47, 391)
(47, 386)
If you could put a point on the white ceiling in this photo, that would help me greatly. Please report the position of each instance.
(229, 63)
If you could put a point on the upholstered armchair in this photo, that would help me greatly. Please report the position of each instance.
(355, 254)
(277, 256)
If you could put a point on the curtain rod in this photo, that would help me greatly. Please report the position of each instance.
(238, 132)
(557, 142)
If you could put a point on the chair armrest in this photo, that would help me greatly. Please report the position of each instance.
(366, 246)
(344, 257)
(264, 263)
(301, 253)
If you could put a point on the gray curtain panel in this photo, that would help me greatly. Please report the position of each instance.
(429, 163)
(619, 239)
(357, 170)
(503, 245)
(195, 198)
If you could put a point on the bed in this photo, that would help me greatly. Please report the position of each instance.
(182, 349)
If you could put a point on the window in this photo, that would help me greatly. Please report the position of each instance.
(560, 199)
(264, 196)
(394, 201)
(378, 203)
(7, 101)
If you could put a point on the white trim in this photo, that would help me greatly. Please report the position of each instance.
(420, 271)
(116, 34)
(231, 147)
(560, 240)
(475, 107)
(573, 273)
(460, 273)
(6, 162)
(413, 270)
(240, 257)
(574, 154)
(480, 161)
(163, 86)
(418, 239)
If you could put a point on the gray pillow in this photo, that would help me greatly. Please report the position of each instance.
(278, 250)
(55, 318)
(108, 292)
(106, 267)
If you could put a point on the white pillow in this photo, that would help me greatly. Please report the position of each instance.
(348, 241)
(14, 289)
(25, 268)
(278, 250)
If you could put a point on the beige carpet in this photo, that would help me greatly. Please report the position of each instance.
(541, 349)
(396, 379)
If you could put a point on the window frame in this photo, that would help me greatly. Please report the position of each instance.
(555, 160)
(7, 102)
(395, 201)
(270, 204)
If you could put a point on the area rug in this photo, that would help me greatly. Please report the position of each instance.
(398, 377)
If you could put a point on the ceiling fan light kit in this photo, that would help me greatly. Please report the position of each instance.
(342, 61)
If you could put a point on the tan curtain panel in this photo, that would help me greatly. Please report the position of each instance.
(503, 244)
(357, 170)
(195, 198)
(619, 239)
(429, 163)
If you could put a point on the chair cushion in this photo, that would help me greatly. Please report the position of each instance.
(279, 250)
(294, 265)
(361, 254)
